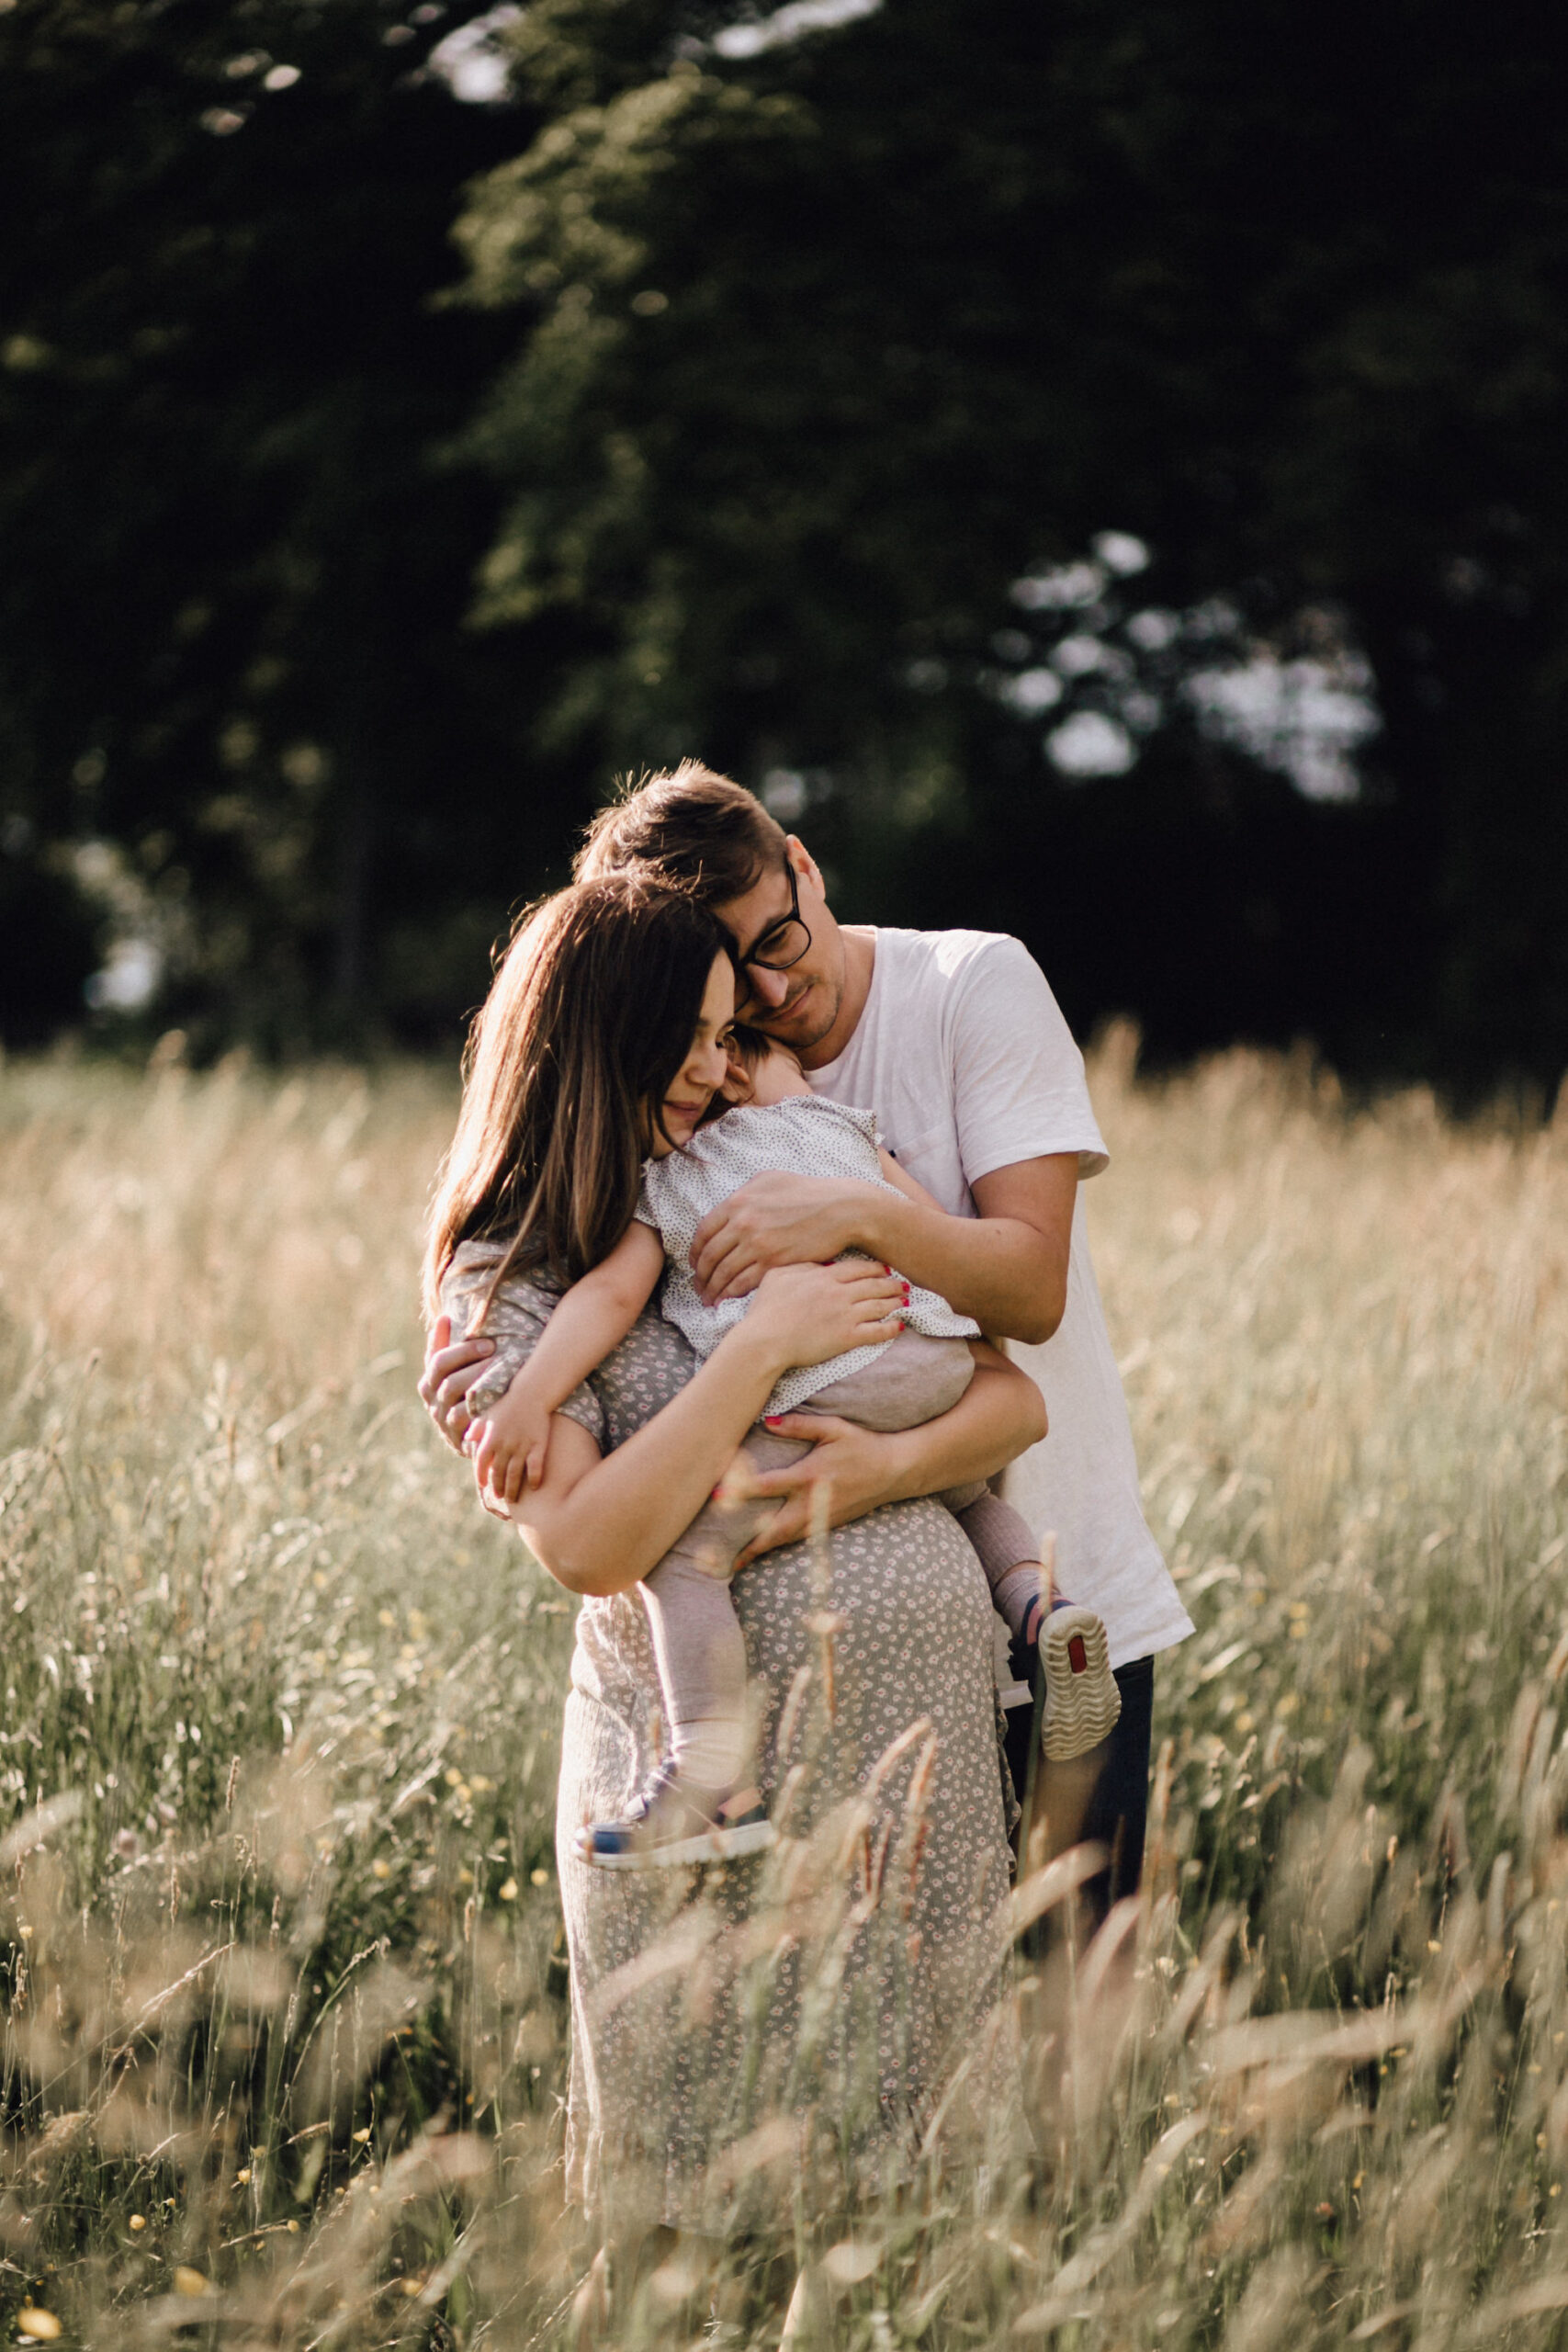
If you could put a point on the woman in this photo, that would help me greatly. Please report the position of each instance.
(835, 1988)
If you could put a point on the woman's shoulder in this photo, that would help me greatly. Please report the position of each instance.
(517, 1311)
(474, 1261)
(472, 1268)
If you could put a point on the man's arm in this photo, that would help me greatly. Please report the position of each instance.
(999, 1417)
(1007, 1267)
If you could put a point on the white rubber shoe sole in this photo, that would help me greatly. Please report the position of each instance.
(1082, 1701)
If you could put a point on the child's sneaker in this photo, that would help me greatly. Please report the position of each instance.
(1082, 1701)
(672, 1822)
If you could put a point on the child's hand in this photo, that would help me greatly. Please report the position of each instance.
(511, 1446)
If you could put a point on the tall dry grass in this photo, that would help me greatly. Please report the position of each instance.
(283, 2039)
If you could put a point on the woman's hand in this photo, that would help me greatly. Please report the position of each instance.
(451, 1368)
(806, 1314)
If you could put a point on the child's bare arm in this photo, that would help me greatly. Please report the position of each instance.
(908, 1185)
(509, 1445)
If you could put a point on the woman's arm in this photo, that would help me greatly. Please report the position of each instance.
(1000, 1415)
(598, 1525)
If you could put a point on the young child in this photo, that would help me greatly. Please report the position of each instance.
(695, 1808)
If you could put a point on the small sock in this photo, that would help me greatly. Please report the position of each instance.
(1018, 1594)
(710, 1751)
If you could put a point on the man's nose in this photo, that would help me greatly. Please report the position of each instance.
(769, 989)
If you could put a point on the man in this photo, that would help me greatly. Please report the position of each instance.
(954, 1040)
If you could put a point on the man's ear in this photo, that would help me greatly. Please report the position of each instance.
(805, 864)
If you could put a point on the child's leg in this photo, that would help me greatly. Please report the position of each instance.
(1010, 1553)
(1082, 1700)
(692, 1809)
(696, 1637)
(702, 1669)
(912, 1381)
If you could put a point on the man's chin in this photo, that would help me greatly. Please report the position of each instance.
(804, 1024)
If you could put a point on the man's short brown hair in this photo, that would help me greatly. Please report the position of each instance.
(689, 828)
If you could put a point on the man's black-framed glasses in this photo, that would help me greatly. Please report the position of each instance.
(786, 942)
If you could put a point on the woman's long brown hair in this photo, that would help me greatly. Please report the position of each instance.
(590, 1016)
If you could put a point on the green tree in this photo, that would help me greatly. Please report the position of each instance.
(826, 344)
(230, 641)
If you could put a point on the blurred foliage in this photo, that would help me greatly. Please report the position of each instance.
(830, 343)
(777, 365)
(230, 615)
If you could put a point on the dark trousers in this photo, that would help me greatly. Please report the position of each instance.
(1118, 1810)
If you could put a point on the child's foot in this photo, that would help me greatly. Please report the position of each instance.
(1023, 1650)
(1082, 1701)
(672, 1821)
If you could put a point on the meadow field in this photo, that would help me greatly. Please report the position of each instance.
(284, 2023)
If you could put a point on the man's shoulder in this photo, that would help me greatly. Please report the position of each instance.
(949, 962)
(946, 951)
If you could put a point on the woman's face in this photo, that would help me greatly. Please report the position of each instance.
(706, 1065)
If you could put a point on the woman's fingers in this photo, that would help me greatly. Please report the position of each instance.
(802, 1472)
(871, 1295)
(875, 1295)
(816, 1311)
(787, 1525)
(866, 1270)
(845, 1473)
(451, 1411)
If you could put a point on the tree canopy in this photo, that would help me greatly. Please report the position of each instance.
(1015, 441)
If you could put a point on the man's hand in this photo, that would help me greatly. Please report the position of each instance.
(858, 1467)
(1007, 1266)
(451, 1368)
(778, 1220)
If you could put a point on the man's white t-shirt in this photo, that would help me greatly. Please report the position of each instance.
(963, 1053)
